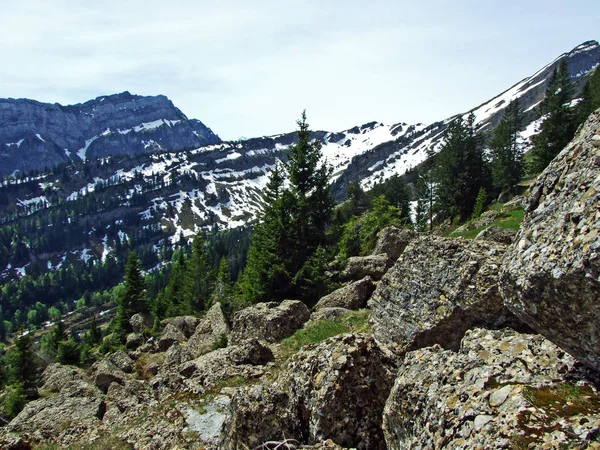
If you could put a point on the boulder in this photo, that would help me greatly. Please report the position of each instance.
(352, 296)
(501, 390)
(104, 372)
(336, 390)
(208, 332)
(326, 314)
(169, 336)
(71, 407)
(243, 361)
(392, 241)
(127, 400)
(549, 278)
(68, 380)
(176, 355)
(185, 324)
(374, 266)
(141, 322)
(497, 234)
(437, 290)
(134, 340)
(270, 322)
(121, 360)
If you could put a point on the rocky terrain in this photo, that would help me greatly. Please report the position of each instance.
(462, 344)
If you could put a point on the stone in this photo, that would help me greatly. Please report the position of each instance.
(270, 322)
(134, 340)
(104, 372)
(352, 296)
(497, 234)
(374, 266)
(211, 328)
(209, 423)
(437, 290)
(549, 278)
(169, 336)
(121, 360)
(70, 381)
(185, 324)
(485, 396)
(326, 314)
(141, 322)
(392, 241)
(335, 390)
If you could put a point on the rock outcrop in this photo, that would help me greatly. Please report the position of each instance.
(437, 290)
(501, 390)
(497, 234)
(550, 277)
(35, 135)
(392, 241)
(352, 296)
(374, 266)
(212, 328)
(270, 322)
(335, 390)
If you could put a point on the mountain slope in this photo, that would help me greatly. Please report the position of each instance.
(36, 135)
(146, 200)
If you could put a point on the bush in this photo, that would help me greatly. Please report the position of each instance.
(14, 400)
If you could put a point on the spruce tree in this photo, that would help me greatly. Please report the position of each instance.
(133, 298)
(460, 170)
(200, 276)
(558, 126)
(590, 98)
(293, 226)
(506, 152)
(22, 366)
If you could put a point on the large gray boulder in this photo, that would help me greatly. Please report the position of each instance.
(437, 290)
(170, 335)
(374, 266)
(501, 390)
(212, 328)
(335, 390)
(104, 372)
(185, 324)
(270, 322)
(141, 322)
(392, 241)
(352, 296)
(497, 234)
(550, 277)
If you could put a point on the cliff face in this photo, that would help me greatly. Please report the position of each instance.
(35, 135)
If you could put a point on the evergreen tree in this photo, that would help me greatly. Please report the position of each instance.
(590, 98)
(200, 276)
(425, 193)
(506, 152)
(558, 127)
(223, 291)
(22, 366)
(460, 170)
(294, 224)
(132, 300)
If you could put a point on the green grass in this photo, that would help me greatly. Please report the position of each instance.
(510, 219)
(356, 321)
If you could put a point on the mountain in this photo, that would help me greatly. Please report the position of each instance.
(36, 135)
(121, 191)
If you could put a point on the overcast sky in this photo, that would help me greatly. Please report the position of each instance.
(248, 68)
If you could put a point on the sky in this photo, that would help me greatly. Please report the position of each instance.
(248, 69)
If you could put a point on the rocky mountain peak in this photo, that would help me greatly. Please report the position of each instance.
(107, 125)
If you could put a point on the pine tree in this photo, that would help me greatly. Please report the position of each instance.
(558, 127)
(200, 276)
(22, 366)
(294, 224)
(460, 170)
(133, 298)
(590, 98)
(506, 152)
